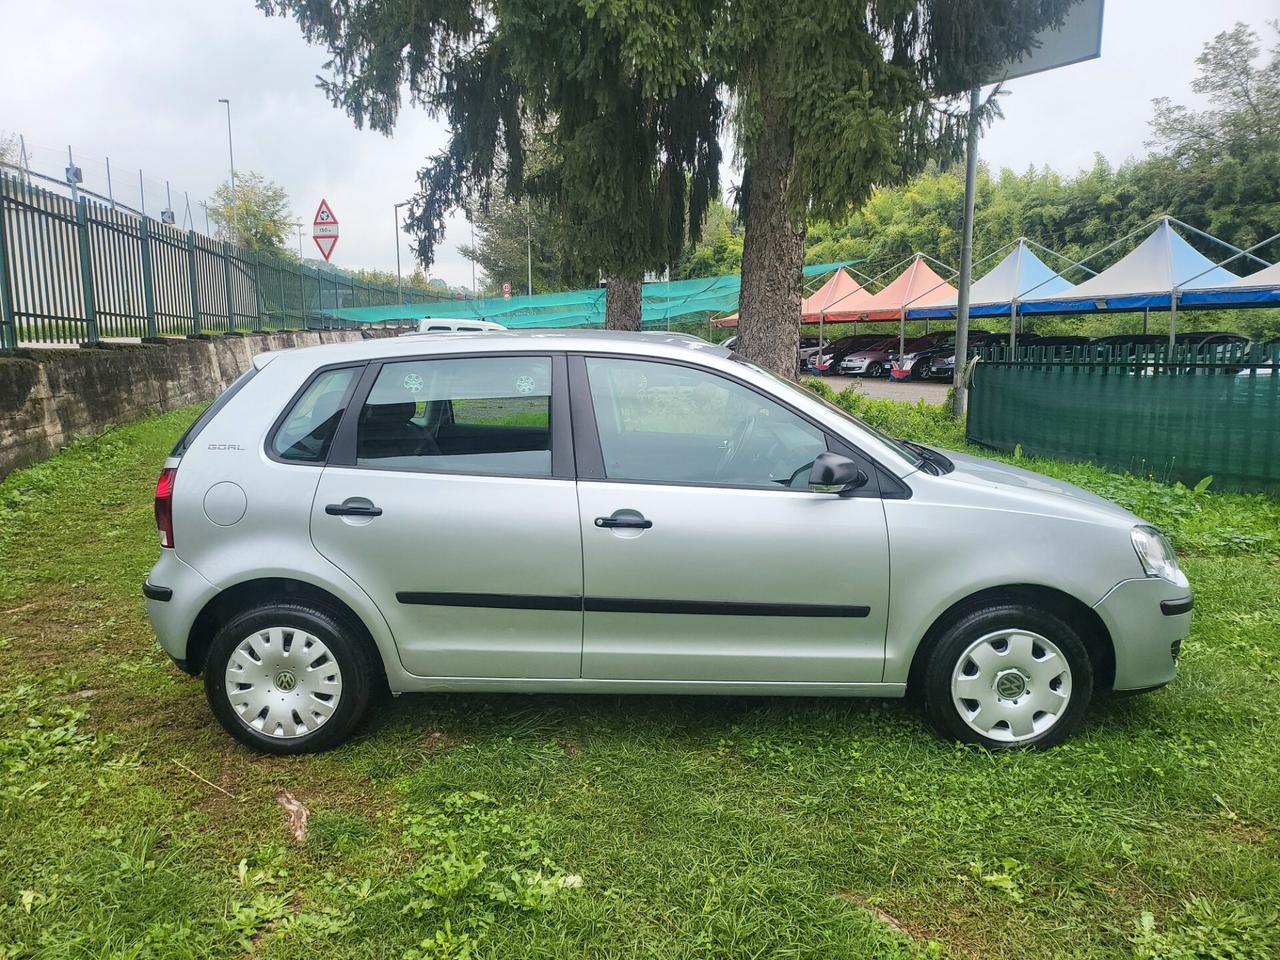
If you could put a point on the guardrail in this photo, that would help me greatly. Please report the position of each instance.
(77, 271)
(1177, 414)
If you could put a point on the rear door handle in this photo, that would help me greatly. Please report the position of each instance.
(624, 518)
(349, 509)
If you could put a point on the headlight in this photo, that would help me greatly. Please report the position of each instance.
(1156, 556)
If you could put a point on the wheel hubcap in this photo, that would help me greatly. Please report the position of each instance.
(1011, 685)
(283, 682)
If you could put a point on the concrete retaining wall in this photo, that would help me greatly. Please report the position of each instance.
(50, 397)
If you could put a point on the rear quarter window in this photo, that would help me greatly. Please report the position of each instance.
(308, 427)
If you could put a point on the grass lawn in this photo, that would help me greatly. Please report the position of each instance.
(466, 826)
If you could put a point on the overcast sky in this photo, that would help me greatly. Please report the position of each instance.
(139, 80)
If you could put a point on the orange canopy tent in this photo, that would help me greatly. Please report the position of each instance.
(843, 300)
(827, 302)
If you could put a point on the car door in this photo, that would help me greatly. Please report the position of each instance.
(705, 555)
(449, 497)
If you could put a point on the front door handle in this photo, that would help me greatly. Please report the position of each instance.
(625, 519)
(353, 509)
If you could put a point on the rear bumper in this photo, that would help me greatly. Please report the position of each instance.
(1147, 620)
(175, 594)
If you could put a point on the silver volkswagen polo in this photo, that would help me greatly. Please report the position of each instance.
(606, 513)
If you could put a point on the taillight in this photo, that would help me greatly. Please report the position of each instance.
(164, 505)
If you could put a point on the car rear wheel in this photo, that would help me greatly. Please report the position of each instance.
(1007, 676)
(289, 678)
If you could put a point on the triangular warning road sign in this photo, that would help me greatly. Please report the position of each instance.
(326, 245)
(324, 214)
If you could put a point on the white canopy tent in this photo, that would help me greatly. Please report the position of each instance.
(1151, 276)
(1020, 274)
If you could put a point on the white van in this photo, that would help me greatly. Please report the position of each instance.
(438, 325)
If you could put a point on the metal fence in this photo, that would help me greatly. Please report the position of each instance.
(1180, 414)
(76, 271)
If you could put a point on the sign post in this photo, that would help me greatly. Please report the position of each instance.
(324, 230)
(1077, 38)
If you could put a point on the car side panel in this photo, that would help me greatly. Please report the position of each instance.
(226, 465)
(951, 540)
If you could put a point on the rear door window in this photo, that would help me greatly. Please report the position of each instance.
(481, 415)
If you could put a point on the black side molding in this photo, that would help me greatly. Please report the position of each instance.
(723, 608)
(152, 592)
(1172, 608)
(520, 601)
(501, 601)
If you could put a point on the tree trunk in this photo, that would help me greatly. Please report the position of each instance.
(772, 251)
(621, 304)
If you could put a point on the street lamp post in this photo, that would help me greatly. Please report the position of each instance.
(399, 283)
(235, 220)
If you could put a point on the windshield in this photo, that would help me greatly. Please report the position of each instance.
(905, 452)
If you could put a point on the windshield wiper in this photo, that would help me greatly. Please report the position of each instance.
(933, 458)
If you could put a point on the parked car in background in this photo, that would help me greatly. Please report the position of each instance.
(869, 360)
(827, 360)
(914, 361)
(598, 512)
(809, 346)
(940, 363)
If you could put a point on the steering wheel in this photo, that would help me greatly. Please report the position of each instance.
(736, 444)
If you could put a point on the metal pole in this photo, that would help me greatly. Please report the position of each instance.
(111, 197)
(235, 220)
(1146, 318)
(966, 258)
(529, 245)
(8, 326)
(395, 210)
(75, 194)
(472, 224)
(86, 271)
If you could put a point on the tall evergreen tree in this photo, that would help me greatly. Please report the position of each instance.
(617, 95)
(835, 98)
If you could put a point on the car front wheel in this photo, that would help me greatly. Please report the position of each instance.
(1007, 676)
(874, 370)
(289, 678)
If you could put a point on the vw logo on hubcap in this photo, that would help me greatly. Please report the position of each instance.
(285, 680)
(1011, 685)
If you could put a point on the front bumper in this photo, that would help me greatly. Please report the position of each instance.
(176, 593)
(1147, 620)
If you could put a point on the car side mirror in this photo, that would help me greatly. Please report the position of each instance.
(833, 473)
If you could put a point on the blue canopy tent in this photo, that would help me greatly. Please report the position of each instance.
(1261, 289)
(1021, 273)
(1155, 275)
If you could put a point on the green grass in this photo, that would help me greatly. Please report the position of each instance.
(518, 826)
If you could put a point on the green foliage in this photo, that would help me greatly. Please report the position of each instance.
(721, 828)
(504, 232)
(1208, 932)
(256, 215)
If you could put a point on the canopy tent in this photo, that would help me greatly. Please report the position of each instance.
(916, 286)
(816, 307)
(997, 294)
(1020, 273)
(1143, 279)
(660, 303)
(1261, 289)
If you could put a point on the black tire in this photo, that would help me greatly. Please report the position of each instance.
(942, 660)
(920, 371)
(874, 369)
(351, 650)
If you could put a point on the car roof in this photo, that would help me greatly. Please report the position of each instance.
(641, 343)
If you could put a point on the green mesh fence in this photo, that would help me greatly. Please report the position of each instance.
(1181, 418)
(661, 303)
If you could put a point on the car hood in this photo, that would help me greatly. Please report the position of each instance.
(981, 471)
